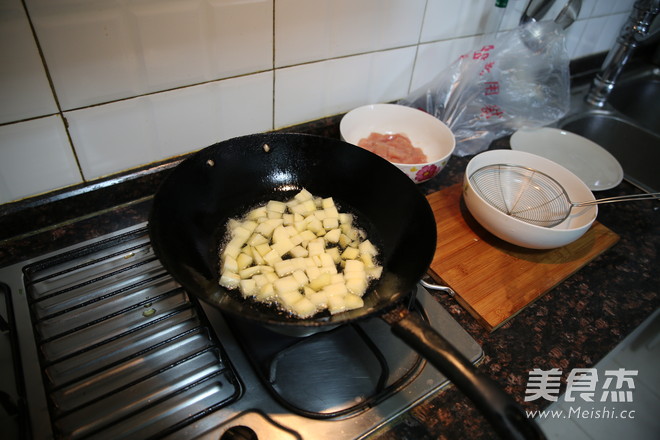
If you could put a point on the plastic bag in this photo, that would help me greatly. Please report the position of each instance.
(520, 80)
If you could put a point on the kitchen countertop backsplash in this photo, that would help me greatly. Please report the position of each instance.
(90, 89)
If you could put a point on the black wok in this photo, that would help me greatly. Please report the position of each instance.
(223, 181)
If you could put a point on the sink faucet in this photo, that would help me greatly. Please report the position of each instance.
(634, 31)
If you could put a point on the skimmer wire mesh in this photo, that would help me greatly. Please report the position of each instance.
(524, 193)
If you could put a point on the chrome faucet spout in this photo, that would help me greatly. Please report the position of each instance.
(634, 31)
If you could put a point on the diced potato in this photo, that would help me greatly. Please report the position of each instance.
(350, 253)
(280, 233)
(327, 202)
(367, 260)
(304, 208)
(349, 231)
(274, 205)
(233, 224)
(272, 276)
(336, 304)
(230, 264)
(319, 282)
(298, 251)
(328, 269)
(354, 265)
(303, 195)
(249, 287)
(319, 215)
(336, 289)
(300, 277)
(257, 239)
(272, 257)
(266, 292)
(286, 284)
(327, 261)
(312, 272)
(232, 249)
(258, 259)
(315, 225)
(319, 299)
(334, 253)
(257, 213)
(289, 298)
(344, 240)
(345, 218)
(241, 234)
(266, 228)
(242, 261)
(298, 263)
(337, 278)
(251, 271)
(331, 223)
(307, 236)
(333, 235)
(284, 267)
(262, 248)
(230, 280)
(353, 301)
(303, 308)
(356, 286)
(300, 225)
(282, 249)
(261, 280)
(316, 247)
(375, 272)
(366, 247)
(331, 212)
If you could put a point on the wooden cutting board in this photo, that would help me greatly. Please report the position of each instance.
(494, 280)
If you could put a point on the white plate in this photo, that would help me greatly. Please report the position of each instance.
(586, 159)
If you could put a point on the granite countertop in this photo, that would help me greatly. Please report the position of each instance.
(573, 325)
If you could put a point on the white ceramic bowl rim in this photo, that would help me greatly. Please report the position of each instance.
(392, 117)
(542, 164)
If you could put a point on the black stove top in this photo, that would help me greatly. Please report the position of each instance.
(110, 346)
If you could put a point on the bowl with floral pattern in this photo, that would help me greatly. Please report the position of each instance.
(414, 141)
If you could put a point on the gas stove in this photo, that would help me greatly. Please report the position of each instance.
(108, 345)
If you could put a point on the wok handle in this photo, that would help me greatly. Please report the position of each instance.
(503, 413)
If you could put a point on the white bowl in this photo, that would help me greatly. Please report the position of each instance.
(426, 132)
(517, 231)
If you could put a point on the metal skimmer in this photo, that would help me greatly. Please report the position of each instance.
(531, 195)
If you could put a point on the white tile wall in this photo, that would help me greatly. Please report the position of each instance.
(24, 89)
(132, 132)
(100, 50)
(198, 116)
(143, 80)
(322, 29)
(35, 153)
(311, 91)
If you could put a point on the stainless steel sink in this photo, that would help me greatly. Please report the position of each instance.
(638, 98)
(628, 126)
(636, 149)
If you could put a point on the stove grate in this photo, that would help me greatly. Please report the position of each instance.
(124, 350)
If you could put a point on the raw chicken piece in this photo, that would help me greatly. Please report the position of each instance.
(395, 147)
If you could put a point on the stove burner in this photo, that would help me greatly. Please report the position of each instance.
(330, 374)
